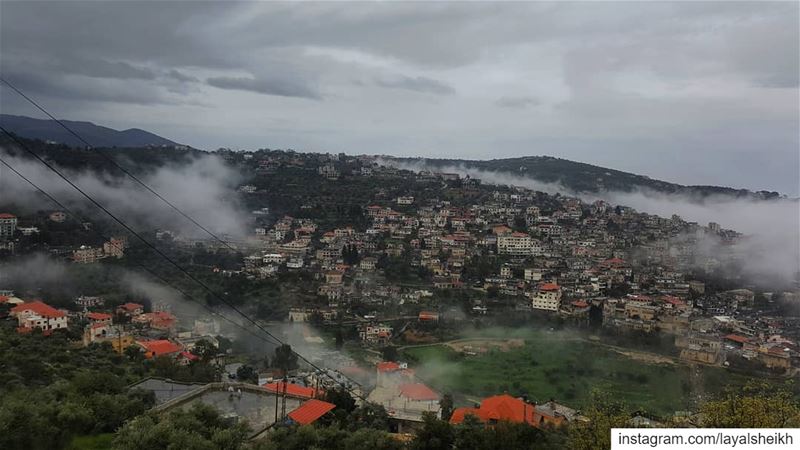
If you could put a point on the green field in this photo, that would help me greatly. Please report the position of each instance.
(567, 371)
(92, 442)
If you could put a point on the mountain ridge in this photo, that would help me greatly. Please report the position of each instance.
(583, 177)
(575, 176)
(96, 135)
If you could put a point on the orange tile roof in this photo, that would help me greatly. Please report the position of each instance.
(418, 391)
(580, 304)
(160, 347)
(291, 389)
(98, 316)
(40, 308)
(498, 407)
(388, 366)
(548, 287)
(310, 411)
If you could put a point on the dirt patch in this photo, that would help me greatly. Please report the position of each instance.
(412, 337)
(480, 346)
(649, 358)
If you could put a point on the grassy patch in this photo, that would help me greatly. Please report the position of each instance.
(92, 442)
(568, 371)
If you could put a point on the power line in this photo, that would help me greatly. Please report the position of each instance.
(184, 293)
(163, 255)
(148, 188)
(150, 271)
(115, 164)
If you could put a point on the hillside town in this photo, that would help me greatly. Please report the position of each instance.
(430, 256)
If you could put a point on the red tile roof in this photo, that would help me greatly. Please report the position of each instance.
(98, 316)
(310, 411)
(418, 391)
(291, 389)
(40, 308)
(160, 347)
(580, 304)
(3, 298)
(737, 338)
(131, 306)
(428, 315)
(675, 301)
(614, 262)
(388, 366)
(779, 350)
(7, 216)
(190, 356)
(549, 287)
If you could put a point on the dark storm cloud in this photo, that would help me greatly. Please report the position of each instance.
(418, 84)
(99, 68)
(712, 82)
(180, 76)
(284, 87)
(85, 90)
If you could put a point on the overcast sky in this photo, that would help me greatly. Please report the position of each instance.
(695, 93)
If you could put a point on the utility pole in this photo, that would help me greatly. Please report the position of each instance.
(276, 403)
(283, 398)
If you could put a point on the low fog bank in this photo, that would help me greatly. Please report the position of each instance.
(771, 243)
(771, 246)
(59, 282)
(204, 189)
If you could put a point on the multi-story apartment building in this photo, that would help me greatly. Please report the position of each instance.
(518, 244)
(8, 225)
(548, 297)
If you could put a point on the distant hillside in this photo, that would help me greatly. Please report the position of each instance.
(96, 135)
(581, 177)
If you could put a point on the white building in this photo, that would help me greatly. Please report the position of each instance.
(39, 315)
(8, 225)
(88, 255)
(518, 244)
(274, 258)
(548, 297)
(376, 333)
(407, 200)
(533, 274)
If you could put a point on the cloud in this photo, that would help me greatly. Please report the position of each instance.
(418, 84)
(203, 188)
(272, 86)
(180, 76)
(710, 82)
(770, 250)
(83, 89)
(517, 102)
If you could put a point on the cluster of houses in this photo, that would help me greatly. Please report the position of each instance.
(113, 248)
(155, 333)
(10, 230)
(553, 254)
